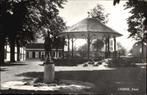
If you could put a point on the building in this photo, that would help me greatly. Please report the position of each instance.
(31, 51)
(36, 51)
(22, 53)
(91, 29)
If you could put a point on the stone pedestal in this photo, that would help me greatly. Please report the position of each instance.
(49, 73)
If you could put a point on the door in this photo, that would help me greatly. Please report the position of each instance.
(33, 55)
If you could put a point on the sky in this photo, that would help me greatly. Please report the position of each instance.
(76, 10)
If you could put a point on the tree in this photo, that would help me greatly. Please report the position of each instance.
(116, 2)
(12, 17)
(52, 24)
(98, 44)
(83, 50)
(138, 20)
(121, 49)
(22, 20)
(99, 13)
(26, 17)
(2, 44)
(56, 28)
(5, 24)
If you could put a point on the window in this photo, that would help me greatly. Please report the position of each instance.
(5, 54)
(33, 54)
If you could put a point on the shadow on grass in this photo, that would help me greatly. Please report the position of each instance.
(3, 69)
(13, 64)
(10, 91)
(31, 74)
(106, 81)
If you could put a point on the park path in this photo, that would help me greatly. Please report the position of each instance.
(103, 77)
(9, 73)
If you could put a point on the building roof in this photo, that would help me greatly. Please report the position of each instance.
(35, 46)
(92, 26)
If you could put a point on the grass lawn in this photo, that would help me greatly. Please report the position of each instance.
(111, 81)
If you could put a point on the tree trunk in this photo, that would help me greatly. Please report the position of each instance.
(2, 51)
(63, 52)
(12, 51)
(142, 53)
(18, 52)
(56, 53)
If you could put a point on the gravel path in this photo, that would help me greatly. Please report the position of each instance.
(104, 78)
(9, 73)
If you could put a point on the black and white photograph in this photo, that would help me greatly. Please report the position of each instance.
(73, 47)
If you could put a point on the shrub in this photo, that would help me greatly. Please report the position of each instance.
(122, 62)
(69, 62)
